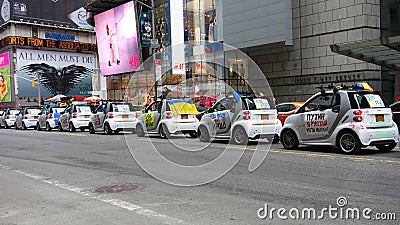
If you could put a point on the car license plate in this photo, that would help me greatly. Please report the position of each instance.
(35, 117)
(125, 116)
(87, 117)
(184, 117)
(380, 118)
(264, 117)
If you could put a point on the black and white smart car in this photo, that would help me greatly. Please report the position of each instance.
(111, 116)
(27, 118)
(346, 118)
(240, 119)
(75, 116)
(166, 117)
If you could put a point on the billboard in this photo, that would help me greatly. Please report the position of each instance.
(117, 40)
(5, 91)
(67, 73)
(38, 10)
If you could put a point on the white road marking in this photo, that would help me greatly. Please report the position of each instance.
(116, 202)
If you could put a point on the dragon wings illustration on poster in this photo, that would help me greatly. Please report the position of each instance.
(58, 80)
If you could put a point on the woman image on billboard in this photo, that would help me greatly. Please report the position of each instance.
(114, 54)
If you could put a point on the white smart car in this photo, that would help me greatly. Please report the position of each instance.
(27, 118)
(111, 116)
(348, 119)
(166, 117)
(239, 119)
(7, 119)
(75, 116)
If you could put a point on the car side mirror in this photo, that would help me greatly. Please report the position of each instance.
(336, 109)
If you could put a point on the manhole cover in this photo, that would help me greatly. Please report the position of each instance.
(117, 188)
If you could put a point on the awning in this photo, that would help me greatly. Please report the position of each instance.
(384, 51)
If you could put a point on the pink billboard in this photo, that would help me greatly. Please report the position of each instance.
(117, 40)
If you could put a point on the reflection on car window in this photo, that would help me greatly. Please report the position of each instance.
(325, 101)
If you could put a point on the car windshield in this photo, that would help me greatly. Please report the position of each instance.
(83, 109)
(370, 101)
(33, 111)
(58, 110)
(122, 108)
(14, 112)
(257, 103)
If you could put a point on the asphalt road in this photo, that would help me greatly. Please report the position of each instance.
(79, 178)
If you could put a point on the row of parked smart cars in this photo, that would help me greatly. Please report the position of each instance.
(345, 118)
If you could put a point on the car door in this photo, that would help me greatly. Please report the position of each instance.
(317, 116)
(222, 115)
(98, 117)
(64, 119)
(152, 115)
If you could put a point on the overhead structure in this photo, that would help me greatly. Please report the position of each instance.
(384, 51)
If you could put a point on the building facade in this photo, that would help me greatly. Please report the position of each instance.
(46, 52)
(290, 40)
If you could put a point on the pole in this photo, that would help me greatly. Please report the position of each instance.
(40, 99)
(153, 50)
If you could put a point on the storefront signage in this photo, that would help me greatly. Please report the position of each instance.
(46, 43)
(59, 37)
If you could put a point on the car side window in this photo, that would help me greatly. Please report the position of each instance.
(322, 102)
(224, 104)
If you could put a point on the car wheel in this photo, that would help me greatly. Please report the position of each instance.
(348, 143)
(193, 134)
(24, 126)
(239, 136)
(386, 148)
(275, 140)
(107, 129)
(289, 139)
(71, 127)
(38, 127)
(203, 134)
(48, 127)
(139, 130)
(91, 129)
(164, 133)
(59, 127)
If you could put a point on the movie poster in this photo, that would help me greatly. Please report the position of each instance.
(5, 78)
(66, 73)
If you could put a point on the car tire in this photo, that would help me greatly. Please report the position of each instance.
(107, 129)
(48, 127)
(203, 134)
(239, 136)
(91, 128)
(38, 128)
(348, 142)
(275, 139)
(193, 134)
(59, 127)
(71, 127)
(289, 139)
(140, 130)
(24, 126)
(164, 132)
(386, 148)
